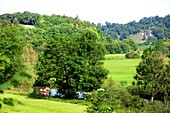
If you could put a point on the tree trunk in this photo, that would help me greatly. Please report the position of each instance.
(152, 98)
(167, 104)
(50, 85)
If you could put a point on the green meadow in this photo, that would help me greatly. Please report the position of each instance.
(23, 104)
(120, 68)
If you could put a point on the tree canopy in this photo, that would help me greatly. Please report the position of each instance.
(155, 27)
(152, 78)
(10, 39)
(75, 64)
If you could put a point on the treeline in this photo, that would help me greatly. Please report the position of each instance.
(118, 38)
(150, 29)
(117, 47)
(52, 24)
(46, 27)
(49, 26)
(153, 27)
(23, 18)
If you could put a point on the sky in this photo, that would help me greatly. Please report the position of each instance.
(97, 11)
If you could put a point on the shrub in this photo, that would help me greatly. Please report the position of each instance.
(132, 54)
(99, 103)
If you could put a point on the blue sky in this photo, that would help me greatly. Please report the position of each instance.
(97, 11)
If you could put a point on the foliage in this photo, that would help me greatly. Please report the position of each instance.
(108, 98)
(25, 18)
(118, 47)
(132, 54)
(152, 76)
(11, 44)
(12, 69)
(29, 58)
(104, 100)
(14, 80)
(71, 58)
(119, 98)
(75, 64)
(156, 27)
(99, 104)
(138, 105)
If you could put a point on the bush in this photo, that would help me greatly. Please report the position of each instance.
(132, 54)
(99, 103)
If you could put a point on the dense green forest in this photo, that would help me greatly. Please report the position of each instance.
(120, 38)
(68, 54)
(154, 28)
(145, 32)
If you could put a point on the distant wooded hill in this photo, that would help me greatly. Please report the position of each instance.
(36, 28)
(119, 38)
(151, 29)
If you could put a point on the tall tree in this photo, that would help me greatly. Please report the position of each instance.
(74, 62)
(10, 39)
(152, 73)
(92, 52)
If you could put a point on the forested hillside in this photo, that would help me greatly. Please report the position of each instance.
(63, 24)
(147, 29)
(119, 38)
(45, 27)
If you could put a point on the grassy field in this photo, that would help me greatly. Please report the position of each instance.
(23, 104)
(121, 69)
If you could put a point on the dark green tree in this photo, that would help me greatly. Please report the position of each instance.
(12, 81)
(149, 72)
(100, 104)
(10, 39)
(74, 62)
(152, 76)
(110, 45)
(131, 43)
(92, 51)
(124, 47)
